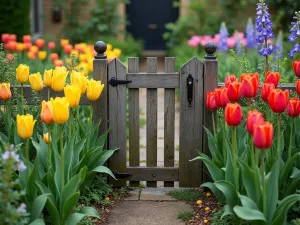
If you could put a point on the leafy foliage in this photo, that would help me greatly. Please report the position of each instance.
(186, 195)
(185, 215)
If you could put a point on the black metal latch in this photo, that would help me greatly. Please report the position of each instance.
(119, 175)
(114, 81)
(190, 85)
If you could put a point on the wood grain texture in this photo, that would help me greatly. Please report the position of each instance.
(117, 120)
(101, 105)
(151, 137)
(210, 82)
(160, 80)
(153, 174)
(134, 118)
(169, 121)
(191, 119)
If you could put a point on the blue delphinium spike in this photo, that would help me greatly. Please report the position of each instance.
(295, 35)
(279, 52)
(251, 35)
(223, 46)
(238, 47)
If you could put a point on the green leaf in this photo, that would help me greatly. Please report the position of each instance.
(249, 214)
(89, 211)
(38, 222)
(228, 191)
(38, 206)
(104, 169)
(212, 145)
(44, 190)
(272, 192)
(77, 150)
(106, 155)
(292, 188)
(227, 211)
(287, 168)
(74, 219)
(31, 186)
(53, 212)
(248, 202)
(217, 193)
(229, 174)
(70, 204)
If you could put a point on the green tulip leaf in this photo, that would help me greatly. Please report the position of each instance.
(89, 211)
(247, 202)
(292, 188)
(38, 222)
(69, 204)
(287, 168)
(227, 211)
(104, 169)
(212, 145)
(249, 214)
(38, 206)
(217, 193)
(228, 191)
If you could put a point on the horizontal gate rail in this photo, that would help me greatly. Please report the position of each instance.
(150, 80)
(153, 173)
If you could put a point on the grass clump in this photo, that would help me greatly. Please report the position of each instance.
(186, 195)
(185, 215)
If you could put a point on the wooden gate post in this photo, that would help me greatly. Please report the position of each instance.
(191, 119)
(100, 73)
(210, 83)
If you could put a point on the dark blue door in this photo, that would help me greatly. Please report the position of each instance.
(147, 20)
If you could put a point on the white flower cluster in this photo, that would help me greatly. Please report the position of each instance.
(10, 154)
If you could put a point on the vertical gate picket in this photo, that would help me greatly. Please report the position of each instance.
(134, 117)
(169, 121)
(117, 120)
(151, 139)
(191, 119)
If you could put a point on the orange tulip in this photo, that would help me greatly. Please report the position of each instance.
(272, 77)
(233, 114)
(253, 117)
(51, 45)
(221, 97)
(229, 79)
(13, 37)
(263, 135)
(26, 39)
(266, 90)
(68, 48)
(54, 57)
(278, 100)
(5, 92)
(11, 45)
(250, 84)
(27, 46)
(298, 87)
(234, 92)
(40, 42)
(47, 112)
(58, 63)
(46, 138)
(211, 103)
(293, 108)
(296, 67)
(64, 42)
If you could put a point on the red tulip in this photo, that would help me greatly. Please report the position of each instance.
(253, 117)
(263, 135)
(234, 91)
(27, 46)
(278, 100)
(250, 84)
(13, 37)
(51, 45)
(211, 103)
(40, 43)
(272, 77)
(229, 79)
(233, 114)
(68, 48)
(27, 39)
(10, 46)
(221, 97)
(298, 87)
(265, 91)
(296, 67)
(293, 108)
(5, 38)
(54, 57)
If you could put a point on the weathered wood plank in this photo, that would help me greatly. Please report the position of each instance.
(153, 173)
(191, 119)
(134, 118)
(169, 121)
(161, 80)
(210, 82)
(117, 121)
(151, 137)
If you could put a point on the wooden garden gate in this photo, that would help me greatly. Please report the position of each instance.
(120, 99)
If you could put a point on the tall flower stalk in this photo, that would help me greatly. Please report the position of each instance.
(223, 46)
(251, 35)
(279, 52)
(295, 34)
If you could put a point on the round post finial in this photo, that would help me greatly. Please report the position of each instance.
(100, 47)
(210, 49)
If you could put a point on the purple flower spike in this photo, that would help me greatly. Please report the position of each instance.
(279, 51)
(295, 34)
(250, 35)
(263, 28)
(223, 46)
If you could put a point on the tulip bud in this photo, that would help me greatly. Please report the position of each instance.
(250, 84)
(54, 57)
(46, 138)
(296, 67)
(5, 38)
(60, 110)
(73, 94)
(233, 114)
(20, 47)
(5, 92)
(298, 87)
(263, 135)
(68, 48)
(40, 42)
(278, 100)
(253, 117)
(211, 103)
(293, 108)
(58, 63)
(234, 91)
(229, 79)
(36, 81)
(48, 77)
(59, 78)
(51, 45)
(25, 124)
(265, 91)
(26, 39)
(42, 55)
(272, 77)
(94, 89)
(47, 112)
(22, 73)
(221, 97)
(79, 80)
(64, 42)
(13, 37)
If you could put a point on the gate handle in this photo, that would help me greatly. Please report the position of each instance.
(190, 85)
(114, 81)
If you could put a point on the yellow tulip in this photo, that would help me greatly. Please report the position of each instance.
(31, 55)
(117, 52)
(20, 47)
(59, 78)
(36, 81)
(109, 47)
(25, 124)
(83, 67)
(48, 77)
(75, 52)
(73, 94)
(60, 110)
(79, 80)
(94, 89)
(64, 42)
(46, 138)
(42, 55)
(90, 64)
(22, 73)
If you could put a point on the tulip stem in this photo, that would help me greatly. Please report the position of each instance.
(291, 140)
(224, 142)
(234, 148)
(70, 123)
(62, 157)
(278, 135)
(22, 99)
(267, 59)
(214, 125)
(27, 158)
(262, 169)
(90, 124)
(252, 154)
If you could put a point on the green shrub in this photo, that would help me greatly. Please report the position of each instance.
(186, 195)
(185, 215)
